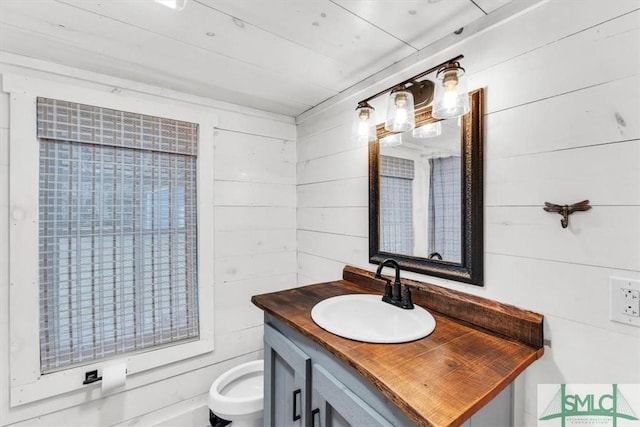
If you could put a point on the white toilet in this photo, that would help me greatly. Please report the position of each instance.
(237, 395)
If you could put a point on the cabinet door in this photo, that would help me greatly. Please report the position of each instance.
(334, 405)
(286, 382)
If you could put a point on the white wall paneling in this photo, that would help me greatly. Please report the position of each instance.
(253, 158)
(594, 115)
(605, 236)
(347, 164)
(561, 125)
(188, 412)
(237, 300)
(347, 192)
(254, 218)
(351, 221)
(243, 242)
(570, 291)
(586, 59)
(316, 269)
(234, 268)
(562, 176)
(337, 247)
(233, 193)
(331, 141)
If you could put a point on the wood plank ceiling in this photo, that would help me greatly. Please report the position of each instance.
(283, 56)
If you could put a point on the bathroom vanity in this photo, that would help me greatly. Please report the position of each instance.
(461, 374)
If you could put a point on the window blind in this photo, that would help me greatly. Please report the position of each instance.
(117, 232)
(396, 196)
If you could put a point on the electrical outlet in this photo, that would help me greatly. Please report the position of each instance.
(631, 302)
(624, 299)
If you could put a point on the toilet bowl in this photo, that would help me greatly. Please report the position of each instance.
(237, 395)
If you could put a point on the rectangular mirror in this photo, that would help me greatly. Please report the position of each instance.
(426, 195)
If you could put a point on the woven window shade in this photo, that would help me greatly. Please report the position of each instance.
(396, 201)
(117, 232)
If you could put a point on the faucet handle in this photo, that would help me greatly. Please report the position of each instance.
(406, 297)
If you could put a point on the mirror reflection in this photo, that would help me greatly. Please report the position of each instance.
(425, 195)
(420, 184)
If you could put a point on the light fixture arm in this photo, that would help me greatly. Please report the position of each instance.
(414, 78)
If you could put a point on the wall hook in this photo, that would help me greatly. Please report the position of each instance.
(566, 210)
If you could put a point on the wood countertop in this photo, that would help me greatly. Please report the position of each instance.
(439, 380)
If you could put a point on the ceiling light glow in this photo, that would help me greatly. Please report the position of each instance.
(173, 4)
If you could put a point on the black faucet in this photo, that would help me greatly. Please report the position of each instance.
(394, 296)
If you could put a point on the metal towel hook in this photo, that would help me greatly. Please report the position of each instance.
(566, 210)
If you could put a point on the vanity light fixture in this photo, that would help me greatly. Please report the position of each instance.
(364, 125)
(401, 115)
(173, 4)
(449, 95)
(452, 97)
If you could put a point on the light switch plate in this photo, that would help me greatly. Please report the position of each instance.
(624, 301)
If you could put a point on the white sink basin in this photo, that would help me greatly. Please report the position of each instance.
(363, 317)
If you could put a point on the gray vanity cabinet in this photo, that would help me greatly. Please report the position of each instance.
(336, 405)
(287, 376)
(306, 386)
(294, 400)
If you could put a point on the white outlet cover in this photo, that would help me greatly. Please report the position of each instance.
(618, 302)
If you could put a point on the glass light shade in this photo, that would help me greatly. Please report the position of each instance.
(430, 130)
(391, 140)
(400, 111)
(364, 124)
(451, 99)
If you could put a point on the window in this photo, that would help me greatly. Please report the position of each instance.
(117, 232)
(396, 201)
(108, 222)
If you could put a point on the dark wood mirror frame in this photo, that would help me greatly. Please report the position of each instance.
(471, 269)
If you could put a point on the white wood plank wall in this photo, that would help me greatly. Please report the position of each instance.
(562, 124)
(255, 252)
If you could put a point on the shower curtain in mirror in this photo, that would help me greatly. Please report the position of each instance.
(445, 199)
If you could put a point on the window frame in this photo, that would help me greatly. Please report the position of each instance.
(27, 383)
